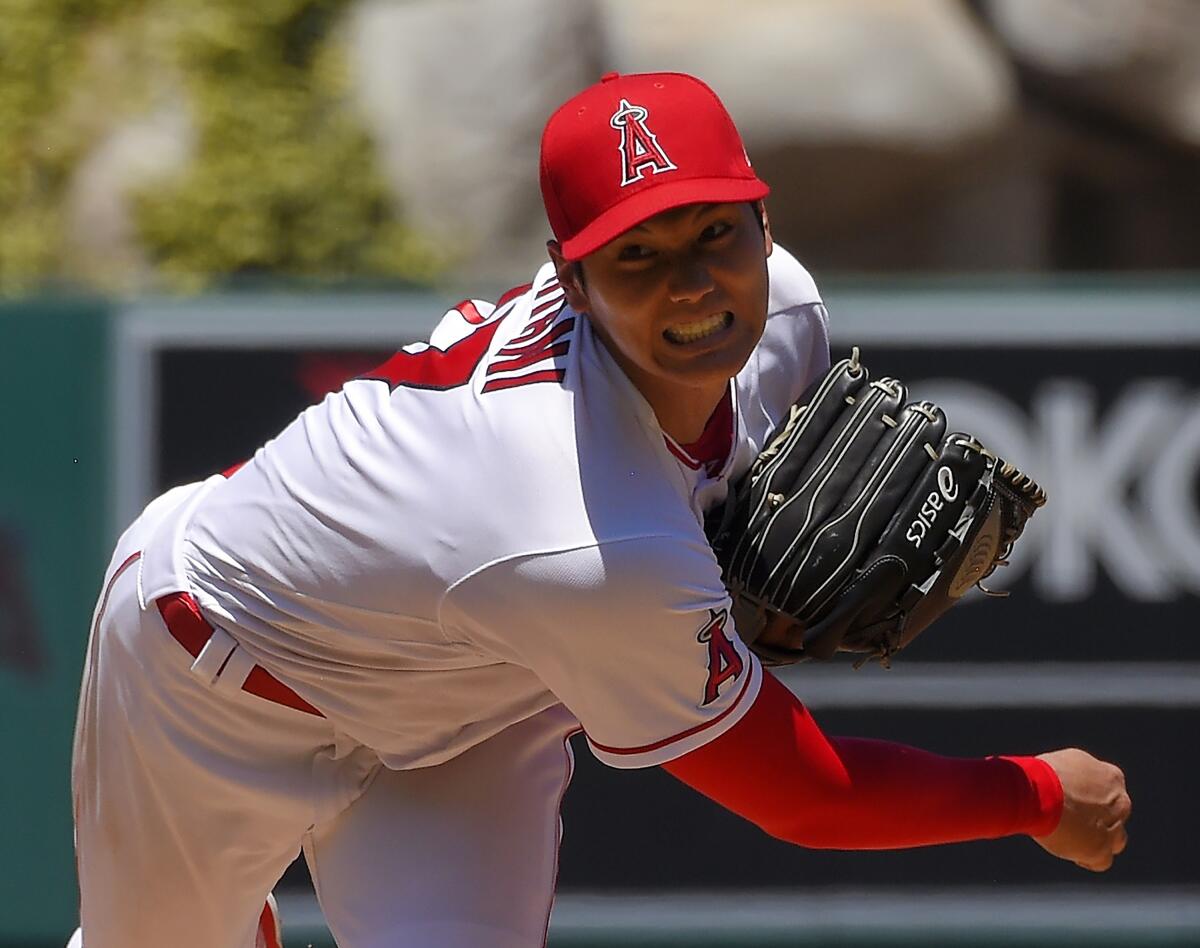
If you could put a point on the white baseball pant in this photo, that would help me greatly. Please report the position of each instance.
(191, 798)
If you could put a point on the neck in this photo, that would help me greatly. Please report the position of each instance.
(685, 413)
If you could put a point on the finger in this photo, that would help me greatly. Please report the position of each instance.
(1121, 816)
(1098, 860)
(1099, 864)
(1125, 807)
(1120, 840)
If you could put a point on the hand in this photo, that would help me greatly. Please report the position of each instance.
(781, 631)
(1095, 808)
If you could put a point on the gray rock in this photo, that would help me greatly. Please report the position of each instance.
(455, 93)
(914, 74)
(103, 248)
(1138, 60)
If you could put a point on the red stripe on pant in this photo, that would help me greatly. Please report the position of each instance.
(191, 630)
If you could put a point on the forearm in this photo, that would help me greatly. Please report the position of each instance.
(777, 769)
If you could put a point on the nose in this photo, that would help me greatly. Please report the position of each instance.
(690, 281)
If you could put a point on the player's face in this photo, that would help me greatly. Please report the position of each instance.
(680, 301)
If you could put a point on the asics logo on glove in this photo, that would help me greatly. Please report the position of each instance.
(947, 492)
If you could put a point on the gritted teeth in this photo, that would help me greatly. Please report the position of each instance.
(698, 328)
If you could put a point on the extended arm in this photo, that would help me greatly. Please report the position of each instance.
(777, 769)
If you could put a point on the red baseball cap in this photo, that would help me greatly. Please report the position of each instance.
(630, 147)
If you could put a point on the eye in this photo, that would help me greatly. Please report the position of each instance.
(715, 231)
(635, 252)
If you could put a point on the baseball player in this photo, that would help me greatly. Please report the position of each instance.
(372, 641)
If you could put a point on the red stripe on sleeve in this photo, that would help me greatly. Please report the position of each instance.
(675, 738)
(513, 293)
(777, 769)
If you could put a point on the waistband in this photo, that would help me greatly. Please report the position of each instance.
(214, 652)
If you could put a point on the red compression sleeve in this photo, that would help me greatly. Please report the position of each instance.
(777, 769)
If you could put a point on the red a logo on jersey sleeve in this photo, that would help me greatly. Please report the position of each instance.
(724, 662)
(639, 147)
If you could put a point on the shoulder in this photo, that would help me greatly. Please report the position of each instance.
(797, 319)
(793, 350)
(797, 330)
(791, 284)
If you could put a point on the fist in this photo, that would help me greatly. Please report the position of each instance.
(1095, 807)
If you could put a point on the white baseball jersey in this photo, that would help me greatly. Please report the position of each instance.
(492, 524)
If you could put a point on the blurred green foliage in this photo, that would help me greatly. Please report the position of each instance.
(41, 57)
(284, 178)
(281, 179)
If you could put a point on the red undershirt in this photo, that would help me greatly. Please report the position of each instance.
(716, 440)
(777, 769)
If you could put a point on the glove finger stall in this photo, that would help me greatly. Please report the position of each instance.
(818, 486)
(780, 465)
(838, 550)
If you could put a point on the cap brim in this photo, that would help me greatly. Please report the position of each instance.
(642, 205)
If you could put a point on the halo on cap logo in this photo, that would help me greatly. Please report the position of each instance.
(639, 147)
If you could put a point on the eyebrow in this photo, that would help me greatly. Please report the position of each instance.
(701, 211)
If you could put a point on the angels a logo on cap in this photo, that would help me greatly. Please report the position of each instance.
(639, 146)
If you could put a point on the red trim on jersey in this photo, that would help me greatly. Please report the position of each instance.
(526, 338)
(712, 448)
(715, 442)
(549, 288)
(518, 357)
(528, 357)
(777, 769)
(557, 301)
(100, 610)
(519, 346)
(320, 373)
(539, 320)
(570, 755)
(548, 375)
(680, 454)
(513, 293)
(129, 561)
(437, 369)
(470, 312)
(230, 471)
(536, 327)
(703, 726)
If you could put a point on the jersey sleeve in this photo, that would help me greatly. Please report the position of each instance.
(793, 351)
(634, 637)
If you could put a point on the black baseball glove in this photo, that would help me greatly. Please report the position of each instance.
(863, 521)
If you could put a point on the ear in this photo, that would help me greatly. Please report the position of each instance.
(568, 277)
(766, 222)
